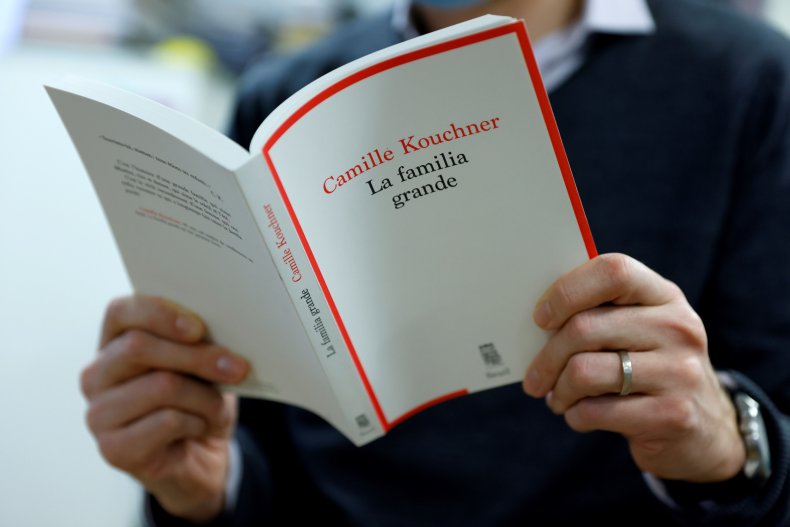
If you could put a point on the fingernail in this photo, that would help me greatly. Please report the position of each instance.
(188, 326)
(542, 314)
(532, 382)
(230, 367)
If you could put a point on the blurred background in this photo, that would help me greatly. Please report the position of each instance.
(59, 262)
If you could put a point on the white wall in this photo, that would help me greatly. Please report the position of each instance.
(58, 268)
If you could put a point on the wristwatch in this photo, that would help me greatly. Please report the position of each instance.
(750, 423)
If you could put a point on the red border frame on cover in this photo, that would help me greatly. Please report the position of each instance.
(519, 29)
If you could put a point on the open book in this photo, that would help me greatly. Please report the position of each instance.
(380, 247)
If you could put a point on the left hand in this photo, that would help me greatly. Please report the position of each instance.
(679, 422)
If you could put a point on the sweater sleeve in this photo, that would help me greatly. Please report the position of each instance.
(746, 307)
(739, 502)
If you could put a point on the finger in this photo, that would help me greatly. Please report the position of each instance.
(154, 315)
(136, 352)
(657, 373)
(128, 402)
(603, 328)
(614, 278)
(665, 434)
(600, 373)
(138, 445)
(633, 415)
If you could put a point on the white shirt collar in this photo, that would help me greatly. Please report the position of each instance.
(625, 17)
(562, 52)
(401, 19)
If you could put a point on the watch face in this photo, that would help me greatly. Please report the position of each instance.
(755, 439)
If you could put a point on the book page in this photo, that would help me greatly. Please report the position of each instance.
(431, 199)
(185, 233)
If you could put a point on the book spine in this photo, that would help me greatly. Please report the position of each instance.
(362, 422)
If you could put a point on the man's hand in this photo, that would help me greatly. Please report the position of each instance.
(151, 406)
(679, 422)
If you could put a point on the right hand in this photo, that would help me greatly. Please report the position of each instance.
(153, 409)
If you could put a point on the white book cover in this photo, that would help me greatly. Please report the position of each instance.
(380, 247)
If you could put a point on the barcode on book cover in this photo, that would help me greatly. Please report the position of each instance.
(490, 355)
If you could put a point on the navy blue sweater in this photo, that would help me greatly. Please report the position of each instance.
(680, 145)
